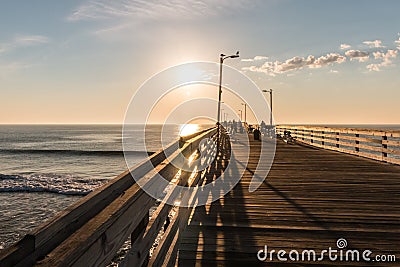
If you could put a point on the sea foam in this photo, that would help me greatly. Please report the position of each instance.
(50, 183)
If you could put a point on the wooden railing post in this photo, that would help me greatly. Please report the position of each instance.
(357, 143)
(312, 136)
(384, 147)
(337, 139)
(134, 255)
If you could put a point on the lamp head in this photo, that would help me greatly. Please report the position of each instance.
(236, 55)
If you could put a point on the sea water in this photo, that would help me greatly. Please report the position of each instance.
(46, 168)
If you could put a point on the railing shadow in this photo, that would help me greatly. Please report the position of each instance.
(218, 229)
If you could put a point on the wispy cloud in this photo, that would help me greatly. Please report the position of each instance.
(22, 41)
(345, 46)
(361, 56)
(105, 9)
(386, 59)
(374, 44)
(256, 58)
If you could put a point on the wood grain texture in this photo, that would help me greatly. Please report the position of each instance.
(310, 198)
(374, 144)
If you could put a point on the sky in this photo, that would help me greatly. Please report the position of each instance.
(328, 62)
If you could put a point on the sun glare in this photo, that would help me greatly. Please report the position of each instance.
(188, 129)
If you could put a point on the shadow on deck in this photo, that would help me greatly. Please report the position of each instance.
(310, 199)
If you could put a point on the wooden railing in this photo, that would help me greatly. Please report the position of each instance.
(374, 144)
(91, 231)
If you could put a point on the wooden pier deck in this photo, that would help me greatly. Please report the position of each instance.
(311, 198)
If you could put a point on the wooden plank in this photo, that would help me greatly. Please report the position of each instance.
(371, 132)
(390, 151)
(140, 248)
(13, 255)
(348, 151)
(391, 143)
(310, 198)
(393, 160)
(89, 238)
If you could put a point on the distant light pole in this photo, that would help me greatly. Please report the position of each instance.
(240, 114)
(222, 57)
(270, 104)
(245, 112)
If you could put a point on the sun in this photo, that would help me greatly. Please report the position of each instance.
(188, 129)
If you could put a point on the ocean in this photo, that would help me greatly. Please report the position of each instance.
(46, 168)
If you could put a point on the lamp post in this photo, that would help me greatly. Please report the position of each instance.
(240, 114)
(270, 104)
(222, 57)
(245, 112)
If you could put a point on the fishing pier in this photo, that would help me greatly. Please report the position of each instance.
(332, 187)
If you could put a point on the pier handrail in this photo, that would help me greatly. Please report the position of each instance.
(382, 145)
(91, 231)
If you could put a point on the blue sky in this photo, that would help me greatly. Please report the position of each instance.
(81, 61)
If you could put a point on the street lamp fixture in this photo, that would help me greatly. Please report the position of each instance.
(245, 112)
(222, 57)
(270, 104)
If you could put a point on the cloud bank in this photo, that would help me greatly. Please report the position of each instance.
(296, 63)
(381, 58)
